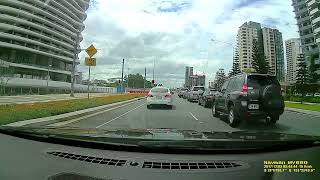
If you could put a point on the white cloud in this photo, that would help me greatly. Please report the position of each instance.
(175, 33)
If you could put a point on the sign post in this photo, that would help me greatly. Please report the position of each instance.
(89, 61)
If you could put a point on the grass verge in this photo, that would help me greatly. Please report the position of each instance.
(20, 112)
(311, 107)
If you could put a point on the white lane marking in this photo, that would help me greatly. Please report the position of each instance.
(88, 116)
(120, 116)
(194, 116)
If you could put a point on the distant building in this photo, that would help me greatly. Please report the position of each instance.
(246, 34)
(188, 73)
(197, 80)
(273, 50)
(293, 49)
(269, 41)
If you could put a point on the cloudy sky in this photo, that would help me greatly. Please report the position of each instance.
(174, 34)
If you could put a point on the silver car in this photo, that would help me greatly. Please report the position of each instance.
(159, 96)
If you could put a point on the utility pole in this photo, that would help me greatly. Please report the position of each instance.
(89, 82)
(154, 64)
(145, 77)
(76, 51)
(122, 74)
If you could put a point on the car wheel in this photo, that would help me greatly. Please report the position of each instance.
(233, 120)
(214, 111)
(205, 104)
(169, 106)
(148, 106)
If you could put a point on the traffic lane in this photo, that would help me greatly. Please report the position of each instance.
(289, 122)
(183, 116)
(157, 117)
(107, 115)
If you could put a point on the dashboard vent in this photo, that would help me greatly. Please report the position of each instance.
(91, 159)
(186, 165)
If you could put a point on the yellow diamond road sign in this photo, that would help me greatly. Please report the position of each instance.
(90, 61)
(91, 51)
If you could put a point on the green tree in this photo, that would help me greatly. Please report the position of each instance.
(259, 62)
(6, 73)
(313, 76)
(137, 81)
(235, 69)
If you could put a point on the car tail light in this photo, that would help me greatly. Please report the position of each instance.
(168, 95)
(244, 90)
(150, 95)
(282, 92)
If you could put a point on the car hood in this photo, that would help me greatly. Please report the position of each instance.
(166, 134)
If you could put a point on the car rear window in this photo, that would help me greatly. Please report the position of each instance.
(198, 88)
(159, 90)
(260, 81)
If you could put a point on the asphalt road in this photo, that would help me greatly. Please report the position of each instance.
(191, 116)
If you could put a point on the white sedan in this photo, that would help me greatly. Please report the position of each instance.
(159, 96)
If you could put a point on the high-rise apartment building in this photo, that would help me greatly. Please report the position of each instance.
(246, 34)
(269, 47)
(307, 14)
(273, 51)
(38, 38)
(188, 73)
(280, 65)
(269, 41)
(293, 49)
(308, 19)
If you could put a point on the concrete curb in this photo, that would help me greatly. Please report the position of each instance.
(67, 116)
(314, 113)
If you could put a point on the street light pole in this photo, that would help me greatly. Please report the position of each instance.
(122, 75)
(48, 75)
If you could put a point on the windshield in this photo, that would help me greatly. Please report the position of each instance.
(262, 80)
(131, 66)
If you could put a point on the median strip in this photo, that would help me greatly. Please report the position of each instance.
(47, 110)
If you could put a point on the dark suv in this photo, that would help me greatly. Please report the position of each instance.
(249, 96)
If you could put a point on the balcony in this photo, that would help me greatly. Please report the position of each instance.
(311, 3)
(314, 11)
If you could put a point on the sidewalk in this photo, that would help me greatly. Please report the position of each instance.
(302, 103)
(44, 98)
(314, 113)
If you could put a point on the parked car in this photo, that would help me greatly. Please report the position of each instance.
(159, 96)
(193, 94)
(316, 94)
(207, 97)
(298, 94)
(309, 95)
(181, 92)
(185, 94)
(249, 96)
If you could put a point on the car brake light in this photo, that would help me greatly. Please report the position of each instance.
(168, 95)
(282, 92)
(150, 95)
(244, 90)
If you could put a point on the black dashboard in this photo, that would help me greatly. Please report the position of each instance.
(28, 159)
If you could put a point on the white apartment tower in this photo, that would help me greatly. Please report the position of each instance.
(269, 47)
(246, 34)
(293, 49)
